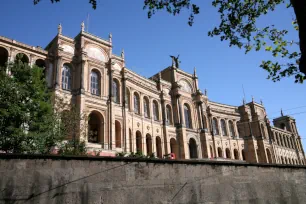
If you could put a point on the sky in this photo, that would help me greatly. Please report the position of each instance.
(147, 43)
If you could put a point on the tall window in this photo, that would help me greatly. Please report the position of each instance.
(187, 115)
(94, 83)
(263, 130)
(146, 107)
(215, 127)
(223, 127)
(127, 98)
(169, 115)
(155, 110)
(136, 104)
(66, 77)
(116, 91)
(231, 127)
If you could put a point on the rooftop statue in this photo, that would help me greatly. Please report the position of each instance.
(175, 61)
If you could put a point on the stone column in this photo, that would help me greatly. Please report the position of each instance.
(110, 104)
(58, 71)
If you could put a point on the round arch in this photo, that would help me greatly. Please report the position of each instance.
(169, 116)
(127, 98)
(149, 144)
(220, 152)
(228, 153)
(95, 81)
(236, 154)
(174, 147)
(95, 127)
(158, 147)
(116, 90)
(118, 131)
(96, 52)
(138, 142)
(193, 149)
(146, 107)
(4, 54)
(136, 102)
(22, 57)
(187, 115)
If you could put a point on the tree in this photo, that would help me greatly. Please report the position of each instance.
(27, 123)
(238, 26)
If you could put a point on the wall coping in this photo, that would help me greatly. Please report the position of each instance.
(4, 156)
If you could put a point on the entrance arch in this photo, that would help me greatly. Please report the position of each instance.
(3, 57)
(138, 142)
(149, 144)
(228, 153)
(236, 154)
(95, 128)
(158, 147)
(193, 152)
(174, 147)
(118, 134)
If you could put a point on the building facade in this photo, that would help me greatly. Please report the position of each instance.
(163, 114)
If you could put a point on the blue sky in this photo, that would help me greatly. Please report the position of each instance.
(149, 42)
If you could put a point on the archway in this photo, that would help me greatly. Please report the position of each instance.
(193, 152)
(269, 157)
(149, 144)
(118, 134)
(243, 155)
(138, 142)
(228, 153)
(22, 57)
(236, 154)
(3, 57)
(220, 153)
(174, 147)
(95, 127)
(158, 147)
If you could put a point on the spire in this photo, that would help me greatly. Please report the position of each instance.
(82, 26)
(261, 102)
(110, 37)
(205, 92)
(253, 99)
(194, 72)
(122, 54)
(59, 29)
(282, 114)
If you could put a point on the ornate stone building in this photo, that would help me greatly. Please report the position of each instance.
(166, 113)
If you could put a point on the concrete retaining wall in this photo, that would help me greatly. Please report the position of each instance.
(56, 179)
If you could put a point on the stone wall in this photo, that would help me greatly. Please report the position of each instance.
(58, 179)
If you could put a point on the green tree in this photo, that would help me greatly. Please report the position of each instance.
(27, 123)
(238, 27)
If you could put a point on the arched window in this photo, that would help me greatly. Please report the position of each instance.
(127, 98)
(223, 127)
(174, 147)
(231, 128)
(146, 107)
(149, 144)
(95, 83)
(187, 114)
(155, 110)
(136, 104)
(193, 149)
(169, 115)
(116, 92)
(66, 77)
(215, 126)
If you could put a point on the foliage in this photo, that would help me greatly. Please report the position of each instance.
(238, 26)
(72, 147)
(27, 122)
